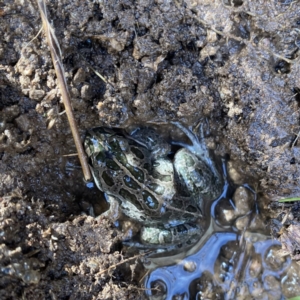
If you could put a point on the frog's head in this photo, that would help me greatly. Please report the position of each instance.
(95, 141)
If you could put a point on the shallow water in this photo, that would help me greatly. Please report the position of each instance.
(235, 259)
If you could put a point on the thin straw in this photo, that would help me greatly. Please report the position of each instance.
(59, 69)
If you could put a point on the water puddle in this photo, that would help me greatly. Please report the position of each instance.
(236, 258)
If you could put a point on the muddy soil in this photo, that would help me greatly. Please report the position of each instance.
(235, 64)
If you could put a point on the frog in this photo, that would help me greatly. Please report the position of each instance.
(138, 176)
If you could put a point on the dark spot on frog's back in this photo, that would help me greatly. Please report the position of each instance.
(138, 153)
(147, 167)
(131, 183)
(149, 200)
(137, 173)
(111, 164)
(107, 179)
(131, 198)
(181, 229)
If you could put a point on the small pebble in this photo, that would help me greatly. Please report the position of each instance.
(272, 284)
(36, 94)
(190, 266)
(274, 261)
(242, 222)
(255, 267)
(242, 200)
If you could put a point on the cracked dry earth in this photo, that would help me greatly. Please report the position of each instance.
(233, 63)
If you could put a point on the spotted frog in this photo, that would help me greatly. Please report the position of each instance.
(137, 174)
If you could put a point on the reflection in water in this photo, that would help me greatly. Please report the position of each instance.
(235, 259)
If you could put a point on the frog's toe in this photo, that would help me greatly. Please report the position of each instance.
(114, 211)
(197, 147)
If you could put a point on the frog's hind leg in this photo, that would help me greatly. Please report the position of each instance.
(165, 237)
(114, 211)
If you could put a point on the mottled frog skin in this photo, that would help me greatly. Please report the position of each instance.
(165, 195)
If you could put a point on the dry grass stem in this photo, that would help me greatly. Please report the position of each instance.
(33, 38)
(69, 155)
(96, 72)
(296, 139)
(56, 58)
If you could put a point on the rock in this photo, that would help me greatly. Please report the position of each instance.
(36, 94)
